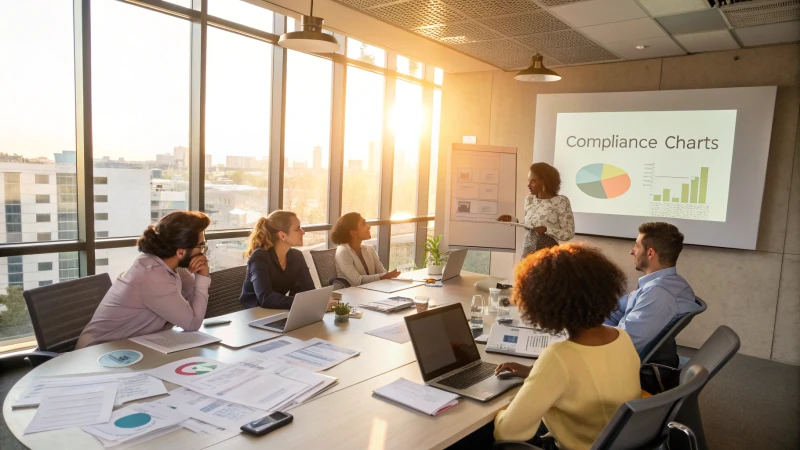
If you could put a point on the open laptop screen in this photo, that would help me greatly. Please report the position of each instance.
(442, 340)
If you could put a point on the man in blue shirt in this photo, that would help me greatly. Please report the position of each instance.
(662, 294)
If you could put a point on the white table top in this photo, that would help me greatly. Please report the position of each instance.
(370, 422)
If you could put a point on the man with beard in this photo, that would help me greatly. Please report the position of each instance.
(167, 284)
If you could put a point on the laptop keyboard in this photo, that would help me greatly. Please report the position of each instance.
(469, 377)
(278, 324)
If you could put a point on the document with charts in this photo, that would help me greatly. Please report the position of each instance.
(314, 354)
(518, 341)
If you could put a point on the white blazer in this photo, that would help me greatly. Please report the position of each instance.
(349, 267)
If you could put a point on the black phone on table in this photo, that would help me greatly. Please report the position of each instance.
(268, 423)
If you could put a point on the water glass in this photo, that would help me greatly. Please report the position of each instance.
(421, 302)
(476, 312)
(503, 310)
(494, 295)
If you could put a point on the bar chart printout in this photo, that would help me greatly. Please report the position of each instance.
(684, 198)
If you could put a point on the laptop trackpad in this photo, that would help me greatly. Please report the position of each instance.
(492, 387)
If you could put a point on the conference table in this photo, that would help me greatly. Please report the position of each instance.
(346, 416)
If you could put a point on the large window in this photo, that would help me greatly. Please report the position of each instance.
(436, 121)
(407, 121)
(239, 70)
(363, 143)
(242, 12)
(140, 101)
(307, 136)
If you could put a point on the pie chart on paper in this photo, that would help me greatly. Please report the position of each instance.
(195, 368)
(603, 180)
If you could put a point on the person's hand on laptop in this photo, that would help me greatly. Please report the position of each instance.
(389, 275)
(517, 370)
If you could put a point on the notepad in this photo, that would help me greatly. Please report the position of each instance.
(425, 399)
(169, 341)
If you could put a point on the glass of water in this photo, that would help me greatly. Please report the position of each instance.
(476, 312)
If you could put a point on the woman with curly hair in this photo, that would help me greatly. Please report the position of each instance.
(548, 216)
(576, 385)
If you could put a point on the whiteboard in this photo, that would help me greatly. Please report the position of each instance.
(481, 185)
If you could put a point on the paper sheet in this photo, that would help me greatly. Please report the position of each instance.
(315, 382)
(172, 340)
(423, 398)
(134, 422)
(389, 286)
(68, 407)
(186, 370)
(531, 342)
(132, 386)
(314, 354)
(216, 412)
(275, 344)
(396, 332)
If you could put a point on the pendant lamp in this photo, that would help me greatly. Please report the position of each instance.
(310, 39)
(537, 72)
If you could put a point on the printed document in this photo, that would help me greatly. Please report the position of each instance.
(172, 340)
(532, 342)
(396, 332)
(131, 386)
(314, 354)
(275, 344)
(518, 341)
(219, 413)
(68, 407)
(315, 382)
(186, 370)
(426, 399)
(134, 422)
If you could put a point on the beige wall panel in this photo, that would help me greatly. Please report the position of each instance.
(786, 346)
(792, 245)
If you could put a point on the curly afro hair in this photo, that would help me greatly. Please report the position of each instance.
(567, 287)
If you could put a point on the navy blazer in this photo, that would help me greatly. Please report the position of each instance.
(268, 285)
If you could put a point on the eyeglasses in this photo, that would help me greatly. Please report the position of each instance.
(203, 246)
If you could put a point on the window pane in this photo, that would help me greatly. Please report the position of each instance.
(407, 119)
(315, 240)
(363, 131)
(37, 119)
(243, 13)
(308, 132)
(401, 251)
(141, 104)
(366, 53)
(239, 71)
(436, 121)
(477, 262)
(226, 253)
(115, 261)
(438, 76)
(410, 67)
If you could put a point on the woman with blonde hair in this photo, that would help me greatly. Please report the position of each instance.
(276, 272)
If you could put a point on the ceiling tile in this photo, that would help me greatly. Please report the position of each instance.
(458, 33)
(416, 13)
(584, 14)
(362, 4)
(655, 48)
(693, 22)
(776, 33)
(524, 24)
(558, 2)
(479, 9)
(505, 54)
(555, 39)
(708, 41)
(668, 7)
(628, 30)
(583, 55)
(762, 13)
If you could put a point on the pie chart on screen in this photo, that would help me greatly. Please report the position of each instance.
(602, 180)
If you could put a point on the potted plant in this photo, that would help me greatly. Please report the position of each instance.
(342, 311)
(436, 259)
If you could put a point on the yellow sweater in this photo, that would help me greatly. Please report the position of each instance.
(575, 389)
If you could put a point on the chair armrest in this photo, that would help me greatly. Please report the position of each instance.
(513, 445)
(693, 445)
(38, 357)
(339, 280)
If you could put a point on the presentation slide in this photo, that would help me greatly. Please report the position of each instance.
(647, 163)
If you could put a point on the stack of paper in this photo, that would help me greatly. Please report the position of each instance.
(173, 340)
(314, 354)
(140, 422)
(212, 411)
(130, 386)
(389, 305)
(517, 341)
(68, 407)
(423, 398)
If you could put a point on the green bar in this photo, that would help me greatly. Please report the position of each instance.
(656, 198)
(676, 200)
(665, 196)
(703, 184)
(693, 197)
(684, 193)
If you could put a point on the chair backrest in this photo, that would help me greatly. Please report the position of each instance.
(664, 346)
(225, 290)
(59, 312)
(715, 352)
(642, 423)
(325, 262)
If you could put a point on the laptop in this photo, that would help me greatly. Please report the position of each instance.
(308, 307)
(448, 356)
(455, 261)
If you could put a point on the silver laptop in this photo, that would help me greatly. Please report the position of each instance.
(448, 356)
(308, 307)
(455, 261)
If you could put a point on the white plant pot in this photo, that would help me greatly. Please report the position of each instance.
(435, 270)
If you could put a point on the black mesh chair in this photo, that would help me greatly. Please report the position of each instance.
(663, 351)
(642, 423)
(59, 313)
(224, 292)
(325, 262)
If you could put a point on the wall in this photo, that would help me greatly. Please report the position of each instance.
(757, 293)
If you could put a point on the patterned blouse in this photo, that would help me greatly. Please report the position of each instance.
(554, 213)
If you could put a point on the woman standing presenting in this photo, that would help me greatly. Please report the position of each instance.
(548, 216)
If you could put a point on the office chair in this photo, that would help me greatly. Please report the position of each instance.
(642, 423)
(325, 262)
(59, 313)
(224, 291)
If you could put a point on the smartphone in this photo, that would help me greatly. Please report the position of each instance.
(266, 424)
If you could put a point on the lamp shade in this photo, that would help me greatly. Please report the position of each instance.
(310, 39)
(537, 72)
